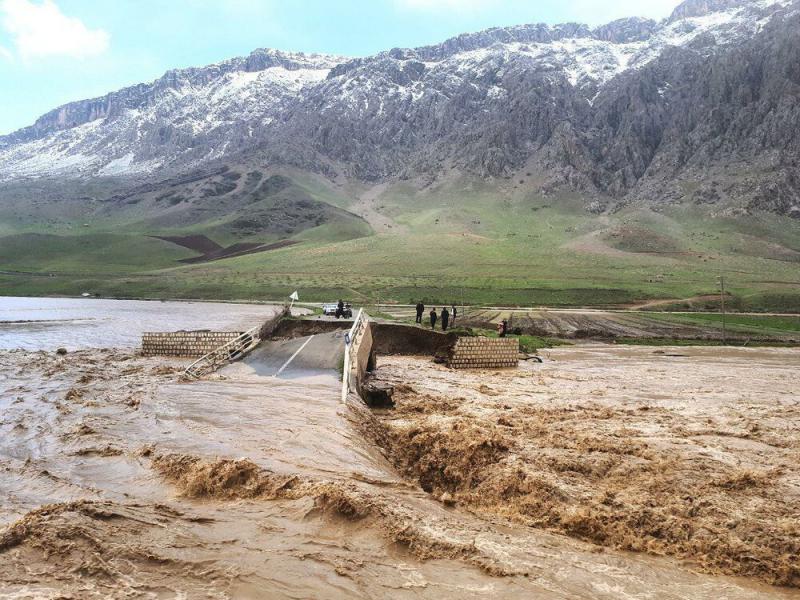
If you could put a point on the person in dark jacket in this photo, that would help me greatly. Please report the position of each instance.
(445, 318)
(503, 329)
(420, 312)
(455, 314)
(340, 309)
(434, 316)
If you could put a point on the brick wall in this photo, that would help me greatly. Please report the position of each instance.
(484, 353)
(185, 343)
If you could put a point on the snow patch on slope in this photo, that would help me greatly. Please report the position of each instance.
(112, 146)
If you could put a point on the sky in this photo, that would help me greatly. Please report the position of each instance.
(57, 51)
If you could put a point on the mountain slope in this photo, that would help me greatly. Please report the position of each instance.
(632, 110)
(534, 164)
(184, 119)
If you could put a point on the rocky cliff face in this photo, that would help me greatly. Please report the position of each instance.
(701, 8)
(703, 107)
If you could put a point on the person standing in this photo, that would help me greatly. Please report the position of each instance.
(434, 316)
(340, 309)
(420, 312)
(445, 318)
(455, 313)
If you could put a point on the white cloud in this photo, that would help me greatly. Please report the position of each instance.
(5, 53)
(40, 30)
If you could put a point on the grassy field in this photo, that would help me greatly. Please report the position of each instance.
(527, 343)
(748, 324)
(459, 242)
(692, 342)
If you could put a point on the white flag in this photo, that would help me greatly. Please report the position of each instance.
(294, 296)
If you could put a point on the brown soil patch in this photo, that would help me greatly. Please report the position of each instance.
(210, 250)
(632, 238)
(368, 207)
(592, 243)
(576, 324)
(198, 243)
(240, 249)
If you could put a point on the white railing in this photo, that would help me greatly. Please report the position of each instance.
(225, 353)
(352, 339)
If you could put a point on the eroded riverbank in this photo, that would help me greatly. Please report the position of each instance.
(686, 452)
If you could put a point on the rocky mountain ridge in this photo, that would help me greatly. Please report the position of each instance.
(700, 107)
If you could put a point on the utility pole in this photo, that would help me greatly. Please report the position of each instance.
(722, 306)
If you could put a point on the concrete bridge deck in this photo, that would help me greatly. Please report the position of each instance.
(308, 359)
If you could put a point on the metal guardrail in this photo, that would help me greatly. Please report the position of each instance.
(351, 347)
(224, 354)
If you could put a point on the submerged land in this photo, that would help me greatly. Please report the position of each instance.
(603, 471)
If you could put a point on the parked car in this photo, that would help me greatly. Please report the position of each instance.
(330, 308)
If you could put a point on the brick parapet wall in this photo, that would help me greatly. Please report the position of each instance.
(484, 353)
(185, 343)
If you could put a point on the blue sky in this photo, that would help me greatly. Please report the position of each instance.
(56, 51)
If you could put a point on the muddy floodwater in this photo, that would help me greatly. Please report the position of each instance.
(79, 323)
(602, 473)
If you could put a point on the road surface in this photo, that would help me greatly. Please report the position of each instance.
(310, 359)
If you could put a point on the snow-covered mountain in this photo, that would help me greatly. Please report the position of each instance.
(628, 108)
(185, 118)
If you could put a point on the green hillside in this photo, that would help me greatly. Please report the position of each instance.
(453, 241)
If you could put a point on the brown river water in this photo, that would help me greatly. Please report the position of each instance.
(81, 323)
(119, 480)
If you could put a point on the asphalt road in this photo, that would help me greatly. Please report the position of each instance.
(311, 357)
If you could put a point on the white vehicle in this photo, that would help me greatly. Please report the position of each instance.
(330, 310)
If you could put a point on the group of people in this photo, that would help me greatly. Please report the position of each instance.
(435, 315)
